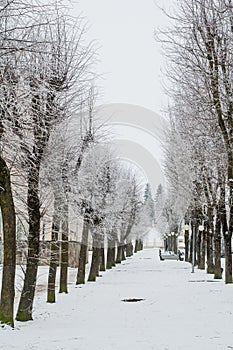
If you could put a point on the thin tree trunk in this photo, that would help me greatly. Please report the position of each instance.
(227, 234)
(123, 252)
(119, 253)
(175, 244)
(109, 260)
(54, 257)
(140, 245)
(95, 261)
(111, 254)
(27, 296)
(9, 239)
(217, 248)
(64, 252)
(209, 241)
(136, 246)
(102, 258)
(128, 250)
(83, 252)
(203, 251)
(186, 240)
(228, 258)
(131, 249)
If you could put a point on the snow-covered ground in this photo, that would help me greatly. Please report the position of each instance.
(181, 310)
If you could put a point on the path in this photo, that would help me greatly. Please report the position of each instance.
(180, 311)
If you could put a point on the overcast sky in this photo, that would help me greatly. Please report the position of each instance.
(130, 59)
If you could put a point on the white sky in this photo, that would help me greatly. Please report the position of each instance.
(130, 57)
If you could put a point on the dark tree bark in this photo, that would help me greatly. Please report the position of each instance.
(175, 244)
(203, 251)
(27, 296)
(129, 249)
(102, 258)
(217, 247)
(140, 245)
(109, 260)
(95, 261)
(210, 256)
(9, 239)
(136, 248)
(199, 241)
(227, 242)
(83, 251)
(209, 241)
(119, 253)
(227, 234)
(111, 254)
(186, 240)
(54, 257)
(123, 252)
(64, 252)
(228, 258)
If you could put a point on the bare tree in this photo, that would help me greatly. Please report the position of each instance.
(17, 20)
(58, 73)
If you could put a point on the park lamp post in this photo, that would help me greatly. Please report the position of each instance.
(201, 229)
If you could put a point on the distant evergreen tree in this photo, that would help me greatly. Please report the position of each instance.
(159, 193)
(149, 203)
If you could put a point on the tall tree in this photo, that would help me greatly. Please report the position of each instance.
(56, 72)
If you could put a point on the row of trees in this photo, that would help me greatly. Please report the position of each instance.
(53, 157)
(199, 147)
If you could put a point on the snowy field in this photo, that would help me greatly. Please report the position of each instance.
(180, 311)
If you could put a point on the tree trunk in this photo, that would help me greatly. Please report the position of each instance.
(95, 261)
(119, 253)
(175, 244)
(228, 258)
(140, 244)
(131, 248)
(227, 234)
(111, 254)
(128, 250)
(210, 263)
(217, 248)
(9, 239)
(102, 258)
(136, 246)
(123, 252)
(83, 252)
(203, 251)
(64, 252)
(109, 260)
(27, 296)
(186, 240)
(54, 255)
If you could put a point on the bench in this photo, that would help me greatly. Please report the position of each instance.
(169, 256)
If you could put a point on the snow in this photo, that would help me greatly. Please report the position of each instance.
(181, 310)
